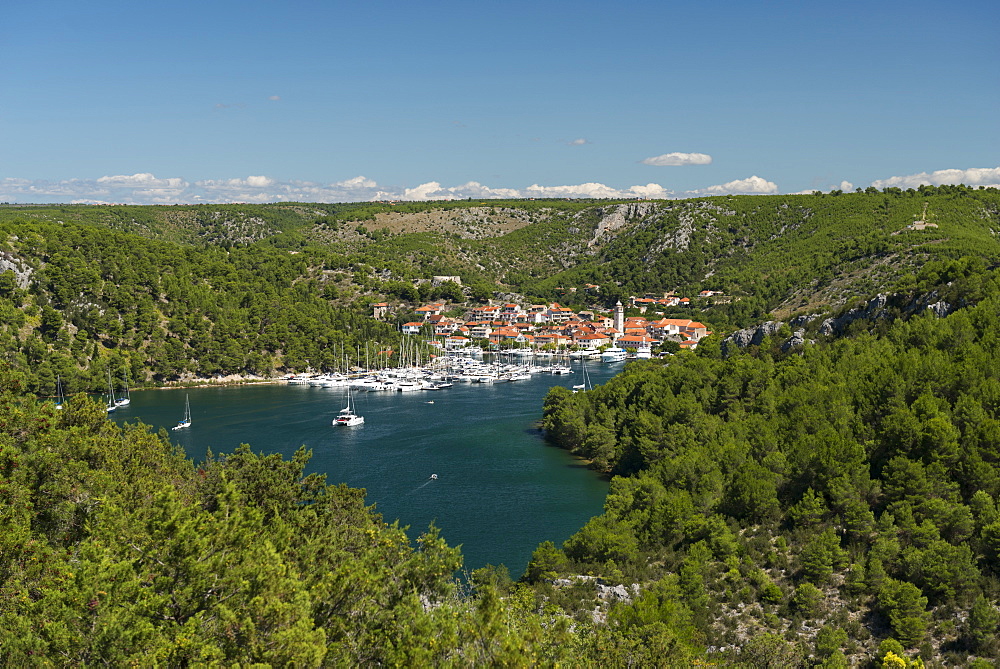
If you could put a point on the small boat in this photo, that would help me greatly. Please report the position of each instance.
(112, 404)
(186, 421)
(59, 393)
(126, 398)
(347, 417)
(434, 477)
(586, 381)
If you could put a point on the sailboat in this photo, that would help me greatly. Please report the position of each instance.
(186, 421)
(586, 385)
(112, 405)
(125, 399)
(59, 393)
(347, 417)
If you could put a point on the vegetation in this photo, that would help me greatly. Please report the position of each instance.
(115, 550)
(166, 293)
(836, 495)
(831, 503)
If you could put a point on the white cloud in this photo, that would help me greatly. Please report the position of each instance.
(357, 182)
(579, 190)
(274, 98)
(750, 186)
(477, 190)
(846, 186)
(143, 179)
(146, 188)
(678, 159)
(651, 191)
(578, 142)
(975, 176)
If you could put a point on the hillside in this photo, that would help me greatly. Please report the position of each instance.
(167, 291)
(839, 494)
(823, 496)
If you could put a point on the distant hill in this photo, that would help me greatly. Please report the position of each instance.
(787, 252)
(169, 290)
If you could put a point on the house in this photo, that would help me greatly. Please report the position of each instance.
(636, 341)
(509, 312)
(551, 337)
(694, 330)
(430, 310)
(593, 340)
(444, 326)
(484, 313)
(456, 341)
(643, 303)
(378, 310)
(412, 328)
(480, 329)
(558, 314)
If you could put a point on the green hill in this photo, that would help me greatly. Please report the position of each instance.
(832, 502)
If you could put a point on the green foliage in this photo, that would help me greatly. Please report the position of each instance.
(116, 550)
(866, 465)
(906, 609)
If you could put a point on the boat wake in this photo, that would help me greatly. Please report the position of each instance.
(431, 479)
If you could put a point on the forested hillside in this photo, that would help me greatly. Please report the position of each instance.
(828, 503)
(115, 550)
(196, 291)
(840, 495)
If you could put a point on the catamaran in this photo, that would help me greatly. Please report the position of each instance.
(186, 421)
(347, 417)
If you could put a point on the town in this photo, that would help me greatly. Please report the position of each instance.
(553, 328)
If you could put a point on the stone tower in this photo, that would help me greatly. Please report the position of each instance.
(620, 317)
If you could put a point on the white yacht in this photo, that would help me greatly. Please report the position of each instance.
(613, 354)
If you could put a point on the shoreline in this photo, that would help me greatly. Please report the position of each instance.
(216, 381)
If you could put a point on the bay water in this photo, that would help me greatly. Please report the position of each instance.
(500, 489)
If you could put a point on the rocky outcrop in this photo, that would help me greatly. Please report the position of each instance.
(750, 336)
(22, 273)
(940, 308)
(872, 310)
(618, 216)
(798, 338)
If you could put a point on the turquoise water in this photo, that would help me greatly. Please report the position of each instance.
(500, 489)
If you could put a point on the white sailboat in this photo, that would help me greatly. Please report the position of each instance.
(112, 405)
(347, 417)
(59, 393)
(125, 399)
(186, 421)
(586, 385)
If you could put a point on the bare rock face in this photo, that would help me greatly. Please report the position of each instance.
(618, 593)
(798, 338)
(940, 308)
(22, 273)
(616, 217)
(751, 336)
(874, 308)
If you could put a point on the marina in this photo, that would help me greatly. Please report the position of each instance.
(499, 489)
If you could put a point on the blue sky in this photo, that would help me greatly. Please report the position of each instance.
(221, 101)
